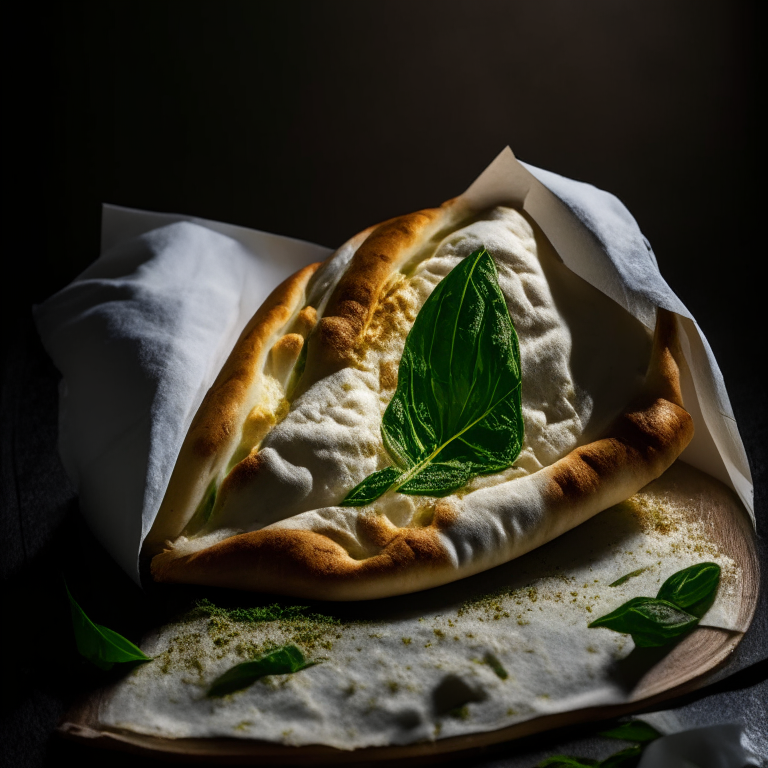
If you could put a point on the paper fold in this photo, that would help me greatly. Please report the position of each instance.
(600, 241)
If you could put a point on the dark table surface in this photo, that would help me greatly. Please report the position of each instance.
(315, 120)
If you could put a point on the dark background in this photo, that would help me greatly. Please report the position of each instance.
(314, 120)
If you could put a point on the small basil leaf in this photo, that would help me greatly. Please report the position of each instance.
(372, 487)
(280, 661)
(692, 588)
(457, 409)
(564, 761)
(627, 577)
(625, 757)
(634, 730)
(100, 645)
(650, 621)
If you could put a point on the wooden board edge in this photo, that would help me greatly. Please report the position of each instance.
(687, 667)
(228, 751)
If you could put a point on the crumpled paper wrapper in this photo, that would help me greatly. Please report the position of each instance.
(141, 334)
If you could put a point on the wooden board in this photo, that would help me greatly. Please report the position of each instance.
(655, 676)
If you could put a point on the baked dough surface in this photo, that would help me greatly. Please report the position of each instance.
(284, 435)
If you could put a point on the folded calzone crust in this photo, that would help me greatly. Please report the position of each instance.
(293, 422)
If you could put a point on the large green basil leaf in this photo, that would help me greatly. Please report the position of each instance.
(280, 661)
(650, 621)
(457, 409)
(100, 645)
(692, 588)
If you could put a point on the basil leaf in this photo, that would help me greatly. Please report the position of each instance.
(280, 661)
(100, 645)
(624, 757)
(692, 588)
(616, 760)
(634, 730)
(627, 577)
(564, 761)
(372, 487)
(650, 621)
(457, 409)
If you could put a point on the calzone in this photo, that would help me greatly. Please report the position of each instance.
(292, 478)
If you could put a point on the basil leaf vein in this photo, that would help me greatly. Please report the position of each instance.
(457, 410)
(280, 661)
(101, 645)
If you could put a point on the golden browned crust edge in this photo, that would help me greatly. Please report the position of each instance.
(215, 425)
(310, 564)
(354, 299)
(216, 418)
(644, 441)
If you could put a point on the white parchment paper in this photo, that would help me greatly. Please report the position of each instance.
(141, 334)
